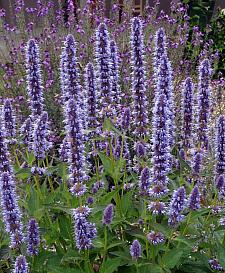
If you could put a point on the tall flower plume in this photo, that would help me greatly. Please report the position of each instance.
(70, 76)
(160, 142)
(116, 92)
(4, 154)
(85, 231)
(76, 157)
(21, 265)
(220, 146)
(204, 94)
(108, 215)
(144, 181)
(177, 204)
(160, 48)
(135, 250)
(10, 210)
(33, 238)
(187, 113)
(34, 78)
(40, 136)
(140, 112)
(103, 68)
(91, 90)
(194, 199)
(164, 86)
(8, 118)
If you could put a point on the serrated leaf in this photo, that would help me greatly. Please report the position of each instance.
(171, 258)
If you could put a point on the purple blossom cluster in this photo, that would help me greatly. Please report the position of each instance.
(194, 199)
(40, 136)
(34, 78)
(176, 206)
(8, 119)
(135, 250)
(33, 238)
(21, 265)
(139, 109)
(155, 237)
(160, 147)
(204, 95)
(84, 231)
(76, 156)
(26, 132)
(144, 181)
(160, 48)
(220, 146)
(108, 215)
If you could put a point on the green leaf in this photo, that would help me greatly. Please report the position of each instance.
(171, 258)
(221, 255)
(23, 173)
(111, 265)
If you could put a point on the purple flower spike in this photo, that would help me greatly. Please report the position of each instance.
(91, 90)
(160, 48)
(70, 76)
(21, 265)
(197, 163)
(135, 250)
(160, 141)
(116, 92)
(26, 133)
(220, 144)
(187, 112)
(157, 207)
(76, 157)
(33, 238)
(8, 118)
(85, 231)
(194, 199)
(103, 68)
(108, 215)
(34, 78)
(155, 238)
(214, 264)
(40, 137)
(220, 184)
(140, 112)
(125, 119)
(10, 210)
(164, 86)
(64, 149)
(204, 94)
(4, 154)
(177, 204)
(140, 149)
(144, 181)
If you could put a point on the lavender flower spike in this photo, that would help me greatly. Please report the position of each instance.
(197, 163)
(160, 140)
(164, 85)
(135, 250)
(177, 204)
(144, 181)
(103, 70)
(85, 231)
(76, 157)
(34, 78)
(33, 238)
(160, 48)
(10, 210)
(220, 146)
(40, 137)
(187, 112)
(140, 112)
(8, 120)
(204, 94)
(194, 199)
(63, 150)
(108, 215)
(21, 265)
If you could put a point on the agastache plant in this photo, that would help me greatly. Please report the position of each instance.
(160, 146)
(40, 137)
(187, 113)
(26, 133)
(108, 215)
(33, 237)
(140, 112)
(21, 265)
(144, 181)
(194, 199)
(34, 78)
(220, 146)
(135, 250)
(84, 230)
(10, 209)
(8, 119)
(4, 154)
(102, 52)
(204, 95)
(164, 85)
(160, 48)
(76, 157)
(114, 65)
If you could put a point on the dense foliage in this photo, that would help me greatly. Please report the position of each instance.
(112, 144)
